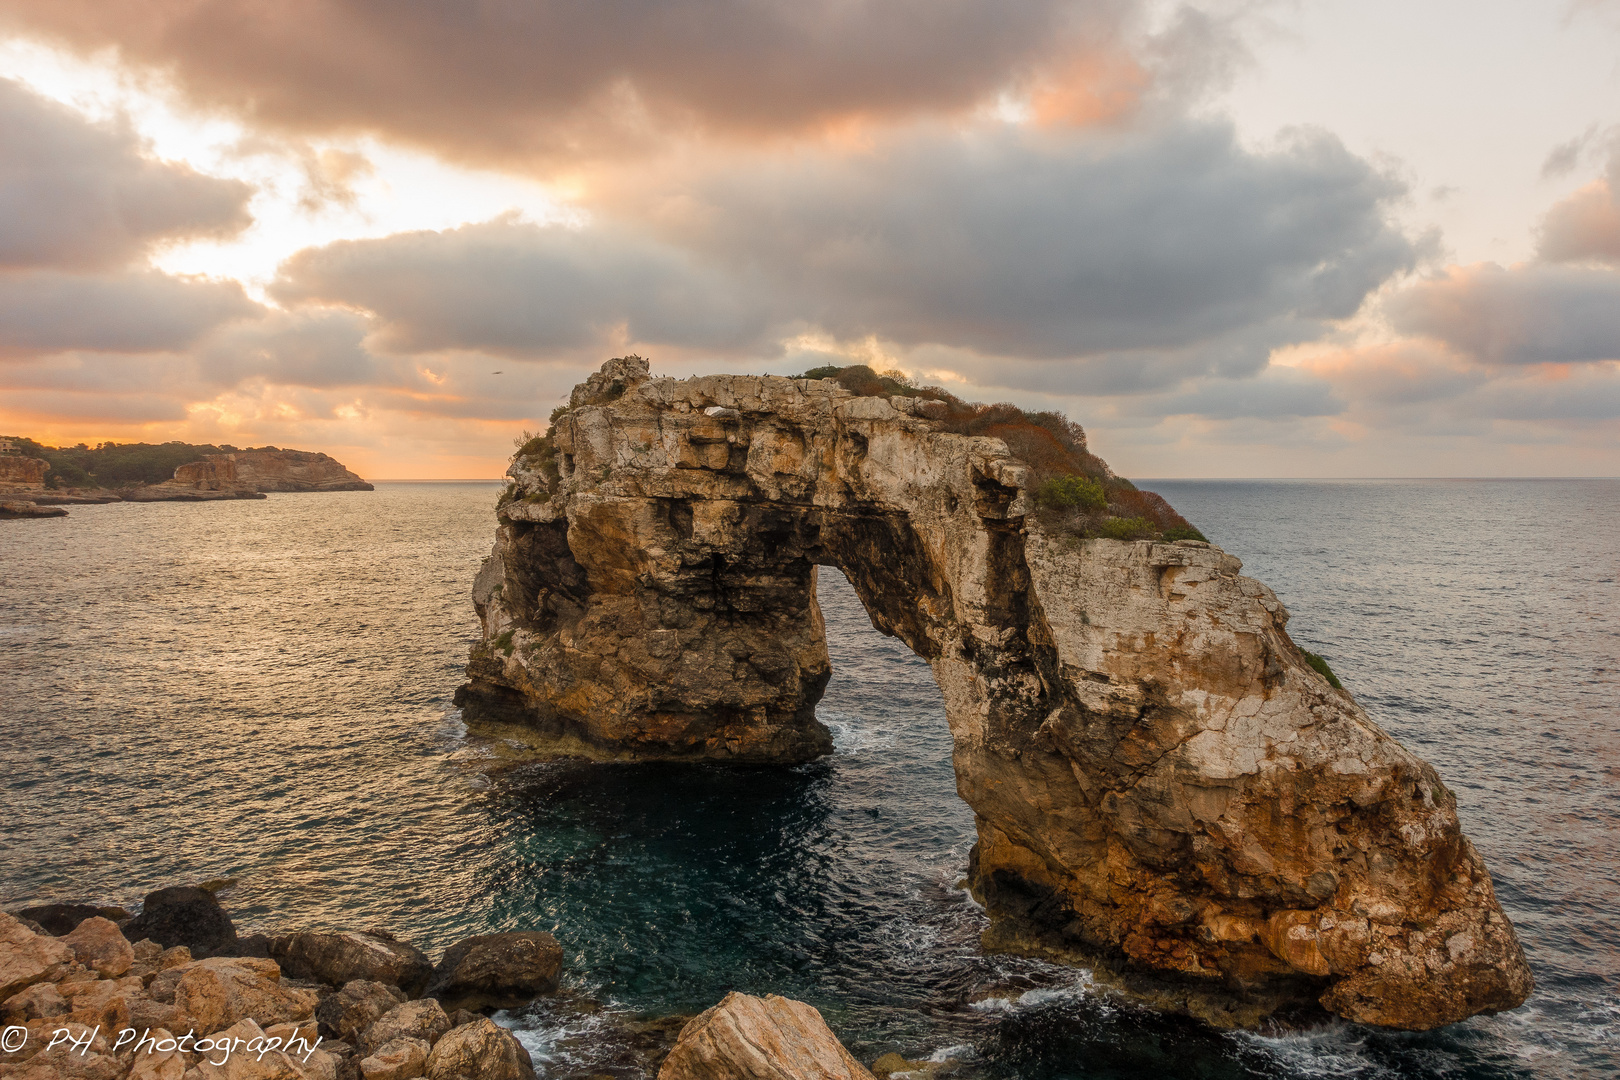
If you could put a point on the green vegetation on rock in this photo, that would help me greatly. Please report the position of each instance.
(119, 465)
(1322, 669)
(1074, 491)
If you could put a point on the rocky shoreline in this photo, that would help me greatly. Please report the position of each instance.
(247, 474)
(173, 993)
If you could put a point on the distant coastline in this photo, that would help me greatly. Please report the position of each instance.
(38, 480)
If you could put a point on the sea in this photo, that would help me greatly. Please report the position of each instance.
(260, 692)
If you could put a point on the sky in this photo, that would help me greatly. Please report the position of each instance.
(1231, 239)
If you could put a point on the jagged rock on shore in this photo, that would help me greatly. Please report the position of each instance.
(1162, 784)
(19, 509)
(184, 915)
(769, 1038)
(337, 958)
(497, 971)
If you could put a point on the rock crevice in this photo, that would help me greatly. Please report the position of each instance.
(1161, 781)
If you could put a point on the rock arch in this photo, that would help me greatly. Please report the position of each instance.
(1160, 781)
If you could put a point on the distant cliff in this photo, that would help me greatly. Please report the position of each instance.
(123, 467)
(294, 470)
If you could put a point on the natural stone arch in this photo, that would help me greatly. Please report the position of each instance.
(1159, 779)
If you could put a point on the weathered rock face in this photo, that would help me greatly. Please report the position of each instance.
(294, 470)
(337, 958)
(18, 473)
(1160, 779)
(497, 971)
(769, 1038)
(211, 479)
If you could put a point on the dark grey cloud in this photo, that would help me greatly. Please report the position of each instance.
(1533, 314)
(76, 195)
(506, 79)
(1278, 393)
(130, 312)
(520, 289)
(1029, 243)
(1149, 257)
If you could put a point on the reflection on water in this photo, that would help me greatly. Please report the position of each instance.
(260, 690)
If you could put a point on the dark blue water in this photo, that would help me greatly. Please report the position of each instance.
(261, 691)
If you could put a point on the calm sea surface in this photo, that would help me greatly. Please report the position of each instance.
(261, 691)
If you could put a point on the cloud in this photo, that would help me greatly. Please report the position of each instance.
(1532, 314)
(1587, 224)
(513, 288)
(1148, 256)
(133, 311)
(75, 195)
(505, 80)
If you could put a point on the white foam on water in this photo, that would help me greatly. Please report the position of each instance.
(1081, 985)
(854, 737)
(1333, 1050)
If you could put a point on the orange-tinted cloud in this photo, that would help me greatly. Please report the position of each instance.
(1531, 314)
(1587, 224)
(514, 80)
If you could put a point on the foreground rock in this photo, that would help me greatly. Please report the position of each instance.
(18, 509)
(184, 915)
(27, 958)
(338, 958)
(482, 1050)
(497, 971)
(1162, 784)
(750, 1038)
(60, 919)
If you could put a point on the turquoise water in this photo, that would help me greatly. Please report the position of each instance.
(261, 690)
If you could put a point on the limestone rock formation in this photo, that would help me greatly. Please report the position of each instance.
(750, 1038)
(1162, 784)
(21, 473)
(209, 480)
(294, 470)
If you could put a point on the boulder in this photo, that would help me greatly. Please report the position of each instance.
(214, 994)
(769, 1038)
(27, 958)
(41, 1000)
(340, 958)
(424, 1019)
(183, 916)
(482, 1050)
(151, 1063)
(353, 1009)
(101, 1002)
(60, 919)
(79, 1061)
(497, 971)
(399, 1059)
(252, 1059)
(99, 945)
